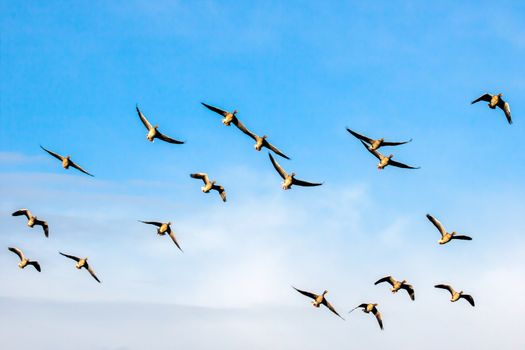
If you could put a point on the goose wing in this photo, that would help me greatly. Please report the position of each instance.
(506, 108)
(485, 97)
(44, 225)
(156, 223)
(308, 294)
(221, 191)
(437, 224)
(377, 314)
(331, 308)
(364, 305)
(168, 139)
(305, 183)
(395, 143)
(359, 136)
(17, 252)
(20, 212)
(57, 156)
(401, 165)
(244, 129)
(388, 279)
(446, 287)
(468, 298)
(70, 257)
(202, 176)
(36, 265)
(277, 167)
(462, 237)
(76, 166)
(410, 290)
(143, 119)
(174, 239)
(92, 273)
(374, 152)
(274, 149)
(215, 109)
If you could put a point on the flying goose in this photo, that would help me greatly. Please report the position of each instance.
(397, 285)
(228, 117)
(496, 101)
(375, 144)
(23, 261)
(289, 179)
(66, 161)
(367, 308)
(318, 300)
(455, 296)
(82, 263)
(385, 161)
(153, 132)
(260, 141)
(210, 185)
(32, 220)
(445, 236)
(162, 229)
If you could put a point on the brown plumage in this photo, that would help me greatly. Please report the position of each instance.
(153, 132)
(496, 101)
(455, 296)
(164, 228)
(385, 161)
(397, 285)
(367, 308)
(446, 236)
(209, 185)
(66, 161)
(82, 263)
(376, 144)
(23, 260)
(289, 179)
(32, 220)
(319, 300)
(260, 141)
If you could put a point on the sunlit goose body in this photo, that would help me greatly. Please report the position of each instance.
(376, 143)
(371, 308)
(82, 263)
(210, 185)
(385, 161)
(164, 228)
(455, 296)
(319, 300)
(32, 220)
(153, 132)
(446, 236)
(496, 101)
(289, 179)
(66, 161)
(397, 285)
(23, 260)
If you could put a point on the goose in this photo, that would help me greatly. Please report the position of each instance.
(23, 260)
(496, 101)
(228, 117)
(260, 141)
(82, 263)
(289, 179)
(319, 300)
(455, 296)
(385, 161)
(367, 308)
(445, 236)
(66, 161)
(163, 228)
(376, 144)
(153, 132)
(32, 220)
(397, 285)
(209, 185)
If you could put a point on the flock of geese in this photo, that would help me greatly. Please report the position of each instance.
(289, 180)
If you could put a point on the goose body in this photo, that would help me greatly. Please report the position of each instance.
(289, 179)
(260, 141)
(375, 144)
(318, 300)
(82, 263)
(228, 117)
(209, 185)
(398, 285)
(446, 236)
(23, 260)
(153, 132)
(66, 161)
(32, 220)
(496, 101)
(371, 308)
(455, 296)
(164, 228)
(385, 161)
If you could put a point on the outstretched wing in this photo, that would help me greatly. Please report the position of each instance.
(410, 290)
(446, 287)
(202, 176)
(468, 298)
(277, 167)
(70, 257)
(158, 224)
(274, 149)
(174, 239)
(395, 143)
(377, 314)
(168, 139)
(331, 308)
(485, 97)
(388, 279)
(244, 129)
(57, 156)
(374, 152)
(437, 224)
(401, 165)
(221, 191)
(215, 109)
(305, 183)
(143, 119)
(358, 306)
(44, 225)
(92, 273)
(359, 136)
(76, 166)
(20, 212)
(17, 252)
(506, 108)
(462, 237)
(308, 294)
(36, 265)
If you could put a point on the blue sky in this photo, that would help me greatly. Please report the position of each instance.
(299, 72)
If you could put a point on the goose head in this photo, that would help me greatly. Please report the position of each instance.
(234, 112)
(293, 175)
(20, 265)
